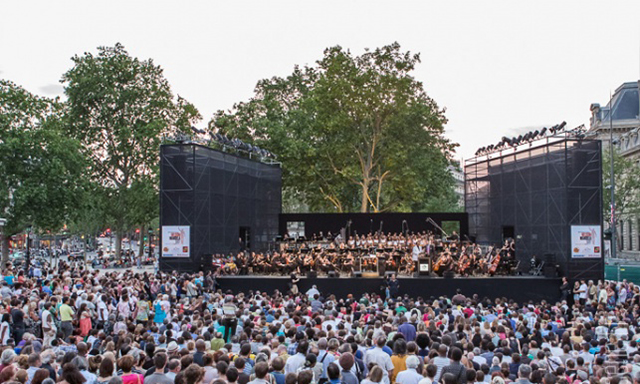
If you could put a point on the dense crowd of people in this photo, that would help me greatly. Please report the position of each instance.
(75, 326)
(396, 252)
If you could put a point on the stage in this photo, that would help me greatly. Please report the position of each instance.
(518, 288)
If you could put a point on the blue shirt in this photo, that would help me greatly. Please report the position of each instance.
(408, 331)
(279, 376)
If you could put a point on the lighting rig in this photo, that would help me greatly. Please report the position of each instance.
(226, 144)
(530, 137)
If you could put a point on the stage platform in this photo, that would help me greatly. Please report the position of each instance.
(519, 288)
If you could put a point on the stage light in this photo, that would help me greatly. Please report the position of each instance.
(543, 131)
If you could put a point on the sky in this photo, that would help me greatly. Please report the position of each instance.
(498, 67)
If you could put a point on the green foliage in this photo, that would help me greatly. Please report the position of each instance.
(627, 184)
(120, 108)
(40, 166)
(354, 133)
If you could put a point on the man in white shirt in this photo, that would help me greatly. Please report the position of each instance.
(441, 361)
(103, 310)
(410, 376)
(312, 292)
(380, 358)
(477, 358)
(583, 291)
(296, 361)
(49, 328)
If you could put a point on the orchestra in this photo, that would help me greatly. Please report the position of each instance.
(391, 252)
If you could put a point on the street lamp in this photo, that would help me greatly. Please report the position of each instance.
(3, 222)
(150, 233)
(614, 244)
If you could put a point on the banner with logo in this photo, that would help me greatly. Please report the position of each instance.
(175, 241)
(586, 241)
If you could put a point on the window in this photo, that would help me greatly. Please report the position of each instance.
(627, 105)
(295, 229)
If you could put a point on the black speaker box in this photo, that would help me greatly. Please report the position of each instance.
(550, 271)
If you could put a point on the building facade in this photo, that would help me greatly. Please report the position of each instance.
(458, 177)
(621, 116)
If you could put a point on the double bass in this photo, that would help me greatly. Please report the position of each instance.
(494, 264)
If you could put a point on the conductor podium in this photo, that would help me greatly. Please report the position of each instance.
(423, 266)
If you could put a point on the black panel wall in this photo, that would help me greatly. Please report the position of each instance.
(540, 191)
(217, 194)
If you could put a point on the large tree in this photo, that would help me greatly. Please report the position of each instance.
(40, 166)
(354, 133)
(120, 108)
(626, 172)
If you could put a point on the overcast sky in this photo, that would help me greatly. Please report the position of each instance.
(499, 67)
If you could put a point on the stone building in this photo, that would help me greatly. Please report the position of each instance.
(622, 116)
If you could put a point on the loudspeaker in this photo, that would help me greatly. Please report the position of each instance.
(550, 271)
(332, 274)
(206, 263)
(312, 274)
(357, 274)
(389, 273)
(449, 275)
(549, 258)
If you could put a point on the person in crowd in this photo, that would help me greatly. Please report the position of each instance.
(74, 325)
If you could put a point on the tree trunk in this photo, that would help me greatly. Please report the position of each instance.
(364, 205)
(5, 250)
(118, 241)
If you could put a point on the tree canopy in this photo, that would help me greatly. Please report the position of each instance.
(627, 182)
(40, 166)
(354, 133)
(120, 108)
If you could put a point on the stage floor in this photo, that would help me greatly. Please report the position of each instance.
(518, 288)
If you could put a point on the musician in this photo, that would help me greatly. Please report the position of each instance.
(416, 252)
(278, 262)
(348, 264)
(390, 263)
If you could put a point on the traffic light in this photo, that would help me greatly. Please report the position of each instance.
(137, 230)
(607, 234)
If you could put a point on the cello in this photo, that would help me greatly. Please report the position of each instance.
(440, 262)
(494, 264)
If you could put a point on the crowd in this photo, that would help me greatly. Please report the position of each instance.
(75, 326)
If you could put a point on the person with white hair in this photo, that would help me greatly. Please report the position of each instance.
(312, 292)
(410, 375)
(83, 367)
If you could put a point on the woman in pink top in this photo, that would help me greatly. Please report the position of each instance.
(126, 363)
